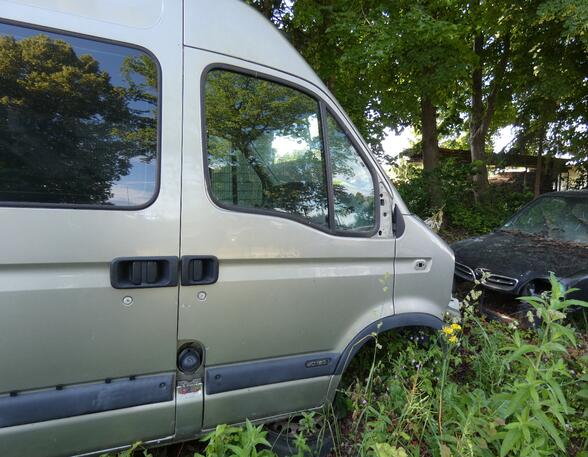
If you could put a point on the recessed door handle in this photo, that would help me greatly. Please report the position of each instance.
(143, 272)
(199, 269)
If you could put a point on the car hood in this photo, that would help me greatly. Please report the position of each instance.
(521, 256)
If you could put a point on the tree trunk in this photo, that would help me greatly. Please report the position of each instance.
(481, 116)
(539, 169)
(234, 178)
(477, 137)
(430, 147)
(539, 172)
(430, 142)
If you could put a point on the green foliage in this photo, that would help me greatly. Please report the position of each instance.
(534, 406)
(461, 211)
(572, 13)
(226, 441)
(483, 389)
(302, 448)
(135, 450)
(382, 58)
(385, 450)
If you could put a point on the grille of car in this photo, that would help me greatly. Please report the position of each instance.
(464, 271)
(502, 282)
(489, 279)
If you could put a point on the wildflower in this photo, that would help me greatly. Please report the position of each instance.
(452, 339)
(447, 330)
(456, 327)
(530, 317)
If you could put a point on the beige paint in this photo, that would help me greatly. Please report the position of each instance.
(284, 288)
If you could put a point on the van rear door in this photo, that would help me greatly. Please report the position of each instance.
(90, 155)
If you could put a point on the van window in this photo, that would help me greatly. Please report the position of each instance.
(78, 121)
(265, 150)
(353, 185)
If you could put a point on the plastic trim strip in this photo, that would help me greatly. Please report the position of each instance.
(76, 400)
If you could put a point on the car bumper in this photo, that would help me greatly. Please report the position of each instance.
(454, 308)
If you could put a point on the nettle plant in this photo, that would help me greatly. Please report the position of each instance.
(226, 441)
(533, 407)
(481, 389)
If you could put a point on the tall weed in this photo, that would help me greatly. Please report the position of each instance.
(480, 389)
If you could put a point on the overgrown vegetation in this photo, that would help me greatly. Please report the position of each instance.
(477, 388)
(484, 389)
(461, 212)
(451, 70)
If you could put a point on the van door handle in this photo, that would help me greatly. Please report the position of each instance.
(144, 272)
(199, 269)
(397, 222)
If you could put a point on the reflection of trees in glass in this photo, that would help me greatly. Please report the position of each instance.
(141, 76)
(352, 182)
(563, 219)
(67, 133)
(262, 150)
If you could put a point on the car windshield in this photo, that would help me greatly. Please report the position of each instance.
(561, 218)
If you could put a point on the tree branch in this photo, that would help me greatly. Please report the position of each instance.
(496, 85)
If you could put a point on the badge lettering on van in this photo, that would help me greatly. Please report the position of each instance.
(317, 363)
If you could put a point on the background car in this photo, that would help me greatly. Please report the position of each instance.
(550, 234)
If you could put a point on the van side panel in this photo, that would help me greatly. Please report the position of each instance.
(93, 432)
(424, 270)
(64, 329)
(266, 401)
(143, 14)
(245, 34)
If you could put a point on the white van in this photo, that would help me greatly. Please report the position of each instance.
(192, 232)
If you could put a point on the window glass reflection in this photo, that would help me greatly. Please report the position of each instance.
(353, 185)
(78, 120)
(264, 146)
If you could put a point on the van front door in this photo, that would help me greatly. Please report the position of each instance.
(89, 239)
(294, 231)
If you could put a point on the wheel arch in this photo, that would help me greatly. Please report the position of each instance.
(385, 324)
(382, 325)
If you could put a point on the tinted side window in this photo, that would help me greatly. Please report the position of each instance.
(353, 184)
(264, 146)
(78, 120)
